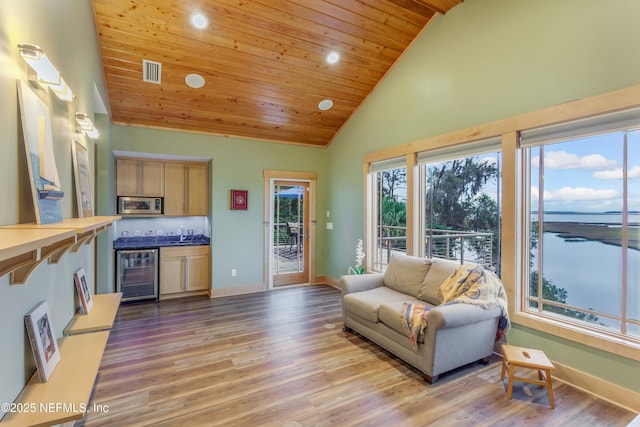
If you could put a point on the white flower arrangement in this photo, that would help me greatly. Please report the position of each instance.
(359, 268)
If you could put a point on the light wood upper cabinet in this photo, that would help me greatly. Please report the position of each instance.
(175, 184)
(197, 189)
(135, 177)
(186, 189)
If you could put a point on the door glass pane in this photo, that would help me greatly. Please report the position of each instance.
(288, 228)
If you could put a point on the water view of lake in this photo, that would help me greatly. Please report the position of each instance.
(590, 271)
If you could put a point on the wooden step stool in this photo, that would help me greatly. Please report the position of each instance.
(530, 359)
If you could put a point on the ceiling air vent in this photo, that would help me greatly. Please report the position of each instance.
(151, 71)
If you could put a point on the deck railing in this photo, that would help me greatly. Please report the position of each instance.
(464, 246)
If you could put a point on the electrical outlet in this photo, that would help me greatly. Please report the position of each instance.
(329, 226)
(234, 273)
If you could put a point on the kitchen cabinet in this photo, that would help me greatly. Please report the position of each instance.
(138, 177)
(184, 269)
(186, 189)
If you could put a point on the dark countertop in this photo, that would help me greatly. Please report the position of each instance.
(159, 241)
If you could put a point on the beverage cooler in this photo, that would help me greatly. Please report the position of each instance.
(137, 274)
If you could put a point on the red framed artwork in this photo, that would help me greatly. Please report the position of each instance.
(239, 200)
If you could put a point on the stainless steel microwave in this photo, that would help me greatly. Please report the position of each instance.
(140, 205)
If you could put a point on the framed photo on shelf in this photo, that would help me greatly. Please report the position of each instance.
(82, 178)
(43, 340)
(80, 280)
(239, 200)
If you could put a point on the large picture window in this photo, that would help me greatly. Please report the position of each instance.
(461, 214)
(457, 206)
(582, 229)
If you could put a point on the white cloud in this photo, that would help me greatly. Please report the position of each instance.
(634, 172)
(575, 194)
(493, 160)
(564, 160)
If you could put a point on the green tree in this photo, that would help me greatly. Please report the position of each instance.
(392, 181)
(454, 200)
(393, 212)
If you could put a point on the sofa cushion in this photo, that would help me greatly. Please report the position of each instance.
(406, 273)
(391, 315)
(366, 303)
(440, 270)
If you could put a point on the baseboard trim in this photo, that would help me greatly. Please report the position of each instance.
(588, 383)
(326, 280)
(332, 282)
(236, 290)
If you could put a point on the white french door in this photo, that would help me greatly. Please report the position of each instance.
(289, 227)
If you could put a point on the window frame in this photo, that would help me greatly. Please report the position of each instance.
(457, 152)
(372, 207)
(525, 183)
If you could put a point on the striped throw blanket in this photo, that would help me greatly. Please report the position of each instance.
(414, 320)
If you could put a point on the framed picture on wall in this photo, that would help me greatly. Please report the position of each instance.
(43, 340)
(239, 200)
(80, 279)
(46, 189)
(82, 176)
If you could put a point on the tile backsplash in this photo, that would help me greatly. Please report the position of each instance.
(161, 226)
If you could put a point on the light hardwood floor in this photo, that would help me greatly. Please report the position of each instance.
(281, 358)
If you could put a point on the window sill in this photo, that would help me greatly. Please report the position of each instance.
(596, 339)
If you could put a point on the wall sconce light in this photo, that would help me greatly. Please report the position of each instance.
(85, 125)
(47, 73)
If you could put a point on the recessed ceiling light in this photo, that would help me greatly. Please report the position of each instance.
(325, 104)
(199, 21)
(195, 81)
(333, 57)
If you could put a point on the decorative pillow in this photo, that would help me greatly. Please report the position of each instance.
(440, 270)
(406, 273)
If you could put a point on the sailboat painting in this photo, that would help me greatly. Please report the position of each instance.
(38, 140)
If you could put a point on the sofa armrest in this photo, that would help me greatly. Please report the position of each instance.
(455, 315)
(360, 282)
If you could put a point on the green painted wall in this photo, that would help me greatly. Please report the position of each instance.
(483, 61)
(237, 236)
(66, 32)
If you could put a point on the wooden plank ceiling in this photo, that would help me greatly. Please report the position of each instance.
(263, 62)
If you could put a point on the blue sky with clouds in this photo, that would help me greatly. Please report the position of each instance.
(585, 175)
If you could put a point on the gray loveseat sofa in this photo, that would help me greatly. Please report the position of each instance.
(456, 334)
